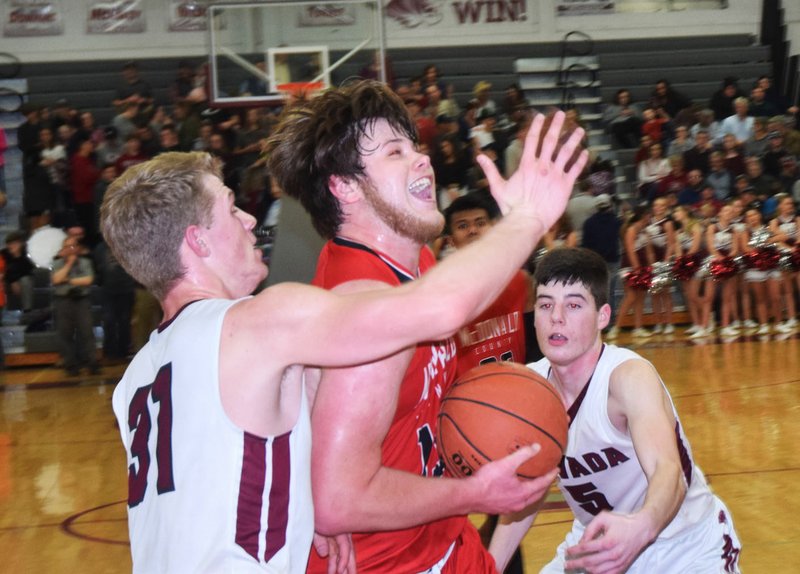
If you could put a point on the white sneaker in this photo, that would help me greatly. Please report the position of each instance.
(791, 323)
(692, 330)
(784, 327)
(736, 324)
(729, 331)
(763, 329)
(658, 329)
(699, 333)
(750, 324)
(641, 333)
(669, 329)
(613, 333)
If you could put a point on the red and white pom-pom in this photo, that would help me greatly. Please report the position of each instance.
(640, 279)
(723, 268)
(763, 258)
(686, 266)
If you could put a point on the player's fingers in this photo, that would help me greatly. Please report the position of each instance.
(532, 141)
(577, 167)
(321, 545)
(551, 137)
(567, 150)
(490, 171)
(521, 455)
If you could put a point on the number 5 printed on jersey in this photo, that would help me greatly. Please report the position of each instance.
(155, 396)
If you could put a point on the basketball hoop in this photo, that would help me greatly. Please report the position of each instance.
(298, 91)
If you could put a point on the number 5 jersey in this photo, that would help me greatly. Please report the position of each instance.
(203, 494)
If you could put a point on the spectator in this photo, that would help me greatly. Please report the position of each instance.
(682, 142)
(654, 122)
(131, 155)
(184, 82)
(133, 90)
(18, 277)
(450, 165)
(515, 104)
(623, 119)
(117, 292)
(580, 207)
(776, 151)
(109, 150)
(601, 234)
(756, 146)
(125, 120)
(698, 156)
(72, 278)
(740, 124)
(718, 177)
(674, 181)
(722, 101)
(759, 106)
(791, 137)
(168, 139)
(484, 102)
(651, 171)
(669, 102)
(764, 186)
(691, 194)
(789, 177)
(734, 162)
(83, 176)
(706, 121)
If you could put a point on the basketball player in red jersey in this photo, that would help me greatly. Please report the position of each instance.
(497, 334)
(350, 157)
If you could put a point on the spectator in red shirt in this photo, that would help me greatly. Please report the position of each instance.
(131, 154)
(84, 174)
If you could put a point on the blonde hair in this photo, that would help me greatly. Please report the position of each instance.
(147, 210)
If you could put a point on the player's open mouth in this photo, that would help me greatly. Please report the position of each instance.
(422, 189)
(557, 337)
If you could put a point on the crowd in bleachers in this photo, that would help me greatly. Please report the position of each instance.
(702, 170)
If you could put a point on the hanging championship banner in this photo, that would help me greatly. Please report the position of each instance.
(121, 17)
(188, 15)
(32, 18)
(583, 7)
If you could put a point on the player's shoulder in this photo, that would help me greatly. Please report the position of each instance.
(541, 367)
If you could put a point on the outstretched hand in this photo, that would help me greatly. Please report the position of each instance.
(543, 183)
(503, 492)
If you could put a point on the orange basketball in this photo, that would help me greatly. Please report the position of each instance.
(494, 409)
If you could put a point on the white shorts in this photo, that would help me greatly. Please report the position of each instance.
(758, 276)
(437, 568)
(709, 547)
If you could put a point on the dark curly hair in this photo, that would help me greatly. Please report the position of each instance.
(324, 137)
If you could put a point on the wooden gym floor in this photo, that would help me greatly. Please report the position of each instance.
(63, 475)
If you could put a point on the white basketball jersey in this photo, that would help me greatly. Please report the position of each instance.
(600, 470)
(204, 495)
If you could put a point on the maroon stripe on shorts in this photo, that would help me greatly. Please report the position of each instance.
(278, 518)
(251, 494)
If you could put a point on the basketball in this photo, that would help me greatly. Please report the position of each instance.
(496, 408)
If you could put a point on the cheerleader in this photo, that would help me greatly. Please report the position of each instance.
(785, 227)
(690, 251)
(661, 232)
(721, 240)
(743, 301)
(637, 253)
(763, 277)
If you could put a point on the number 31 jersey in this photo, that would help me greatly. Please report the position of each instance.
(204, 495)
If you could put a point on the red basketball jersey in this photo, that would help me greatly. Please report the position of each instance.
(498, 334)
(409, 444)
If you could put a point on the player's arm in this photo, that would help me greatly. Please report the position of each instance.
(354, 492)
(612, 541)
(509, 532)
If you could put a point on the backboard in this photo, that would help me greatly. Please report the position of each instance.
(259, 51)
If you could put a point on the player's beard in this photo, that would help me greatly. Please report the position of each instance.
(405, 224)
